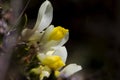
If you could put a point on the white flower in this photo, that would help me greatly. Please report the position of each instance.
(49, 41)
(51, 37)
(54, 61)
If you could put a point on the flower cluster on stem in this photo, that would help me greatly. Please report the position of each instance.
(48, 41)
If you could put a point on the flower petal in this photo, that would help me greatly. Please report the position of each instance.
(58, 33)
(70, 70)
(64, 40)
(45, 16)
(36, 36)
(41, 56)
(26, 33)
(54, 62)
(49, 44)
(44, 74)
(62, 52)
(47, 32)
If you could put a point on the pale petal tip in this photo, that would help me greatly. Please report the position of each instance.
(79, 67)
(70, 70)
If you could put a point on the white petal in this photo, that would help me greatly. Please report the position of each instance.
(41, 56)
(70, 70)
(26, 33)
(44, 74)
(36, 36)
(64, 40)
(44, 19)
(50, 52)
(45, 37)
(45, 16)
(54, 43)
(62, 52)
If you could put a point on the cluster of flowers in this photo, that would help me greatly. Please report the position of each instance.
(48, 41)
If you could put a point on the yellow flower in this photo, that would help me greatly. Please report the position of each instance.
(58, 33)
(53, 62)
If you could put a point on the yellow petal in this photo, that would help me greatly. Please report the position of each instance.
(58, 33)
(54, 62)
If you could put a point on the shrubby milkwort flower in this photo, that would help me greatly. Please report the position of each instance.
(48, 42)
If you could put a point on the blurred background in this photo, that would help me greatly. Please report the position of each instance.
(94, 41)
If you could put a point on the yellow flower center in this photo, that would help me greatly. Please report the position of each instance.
(58, 33)
(54, 62)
